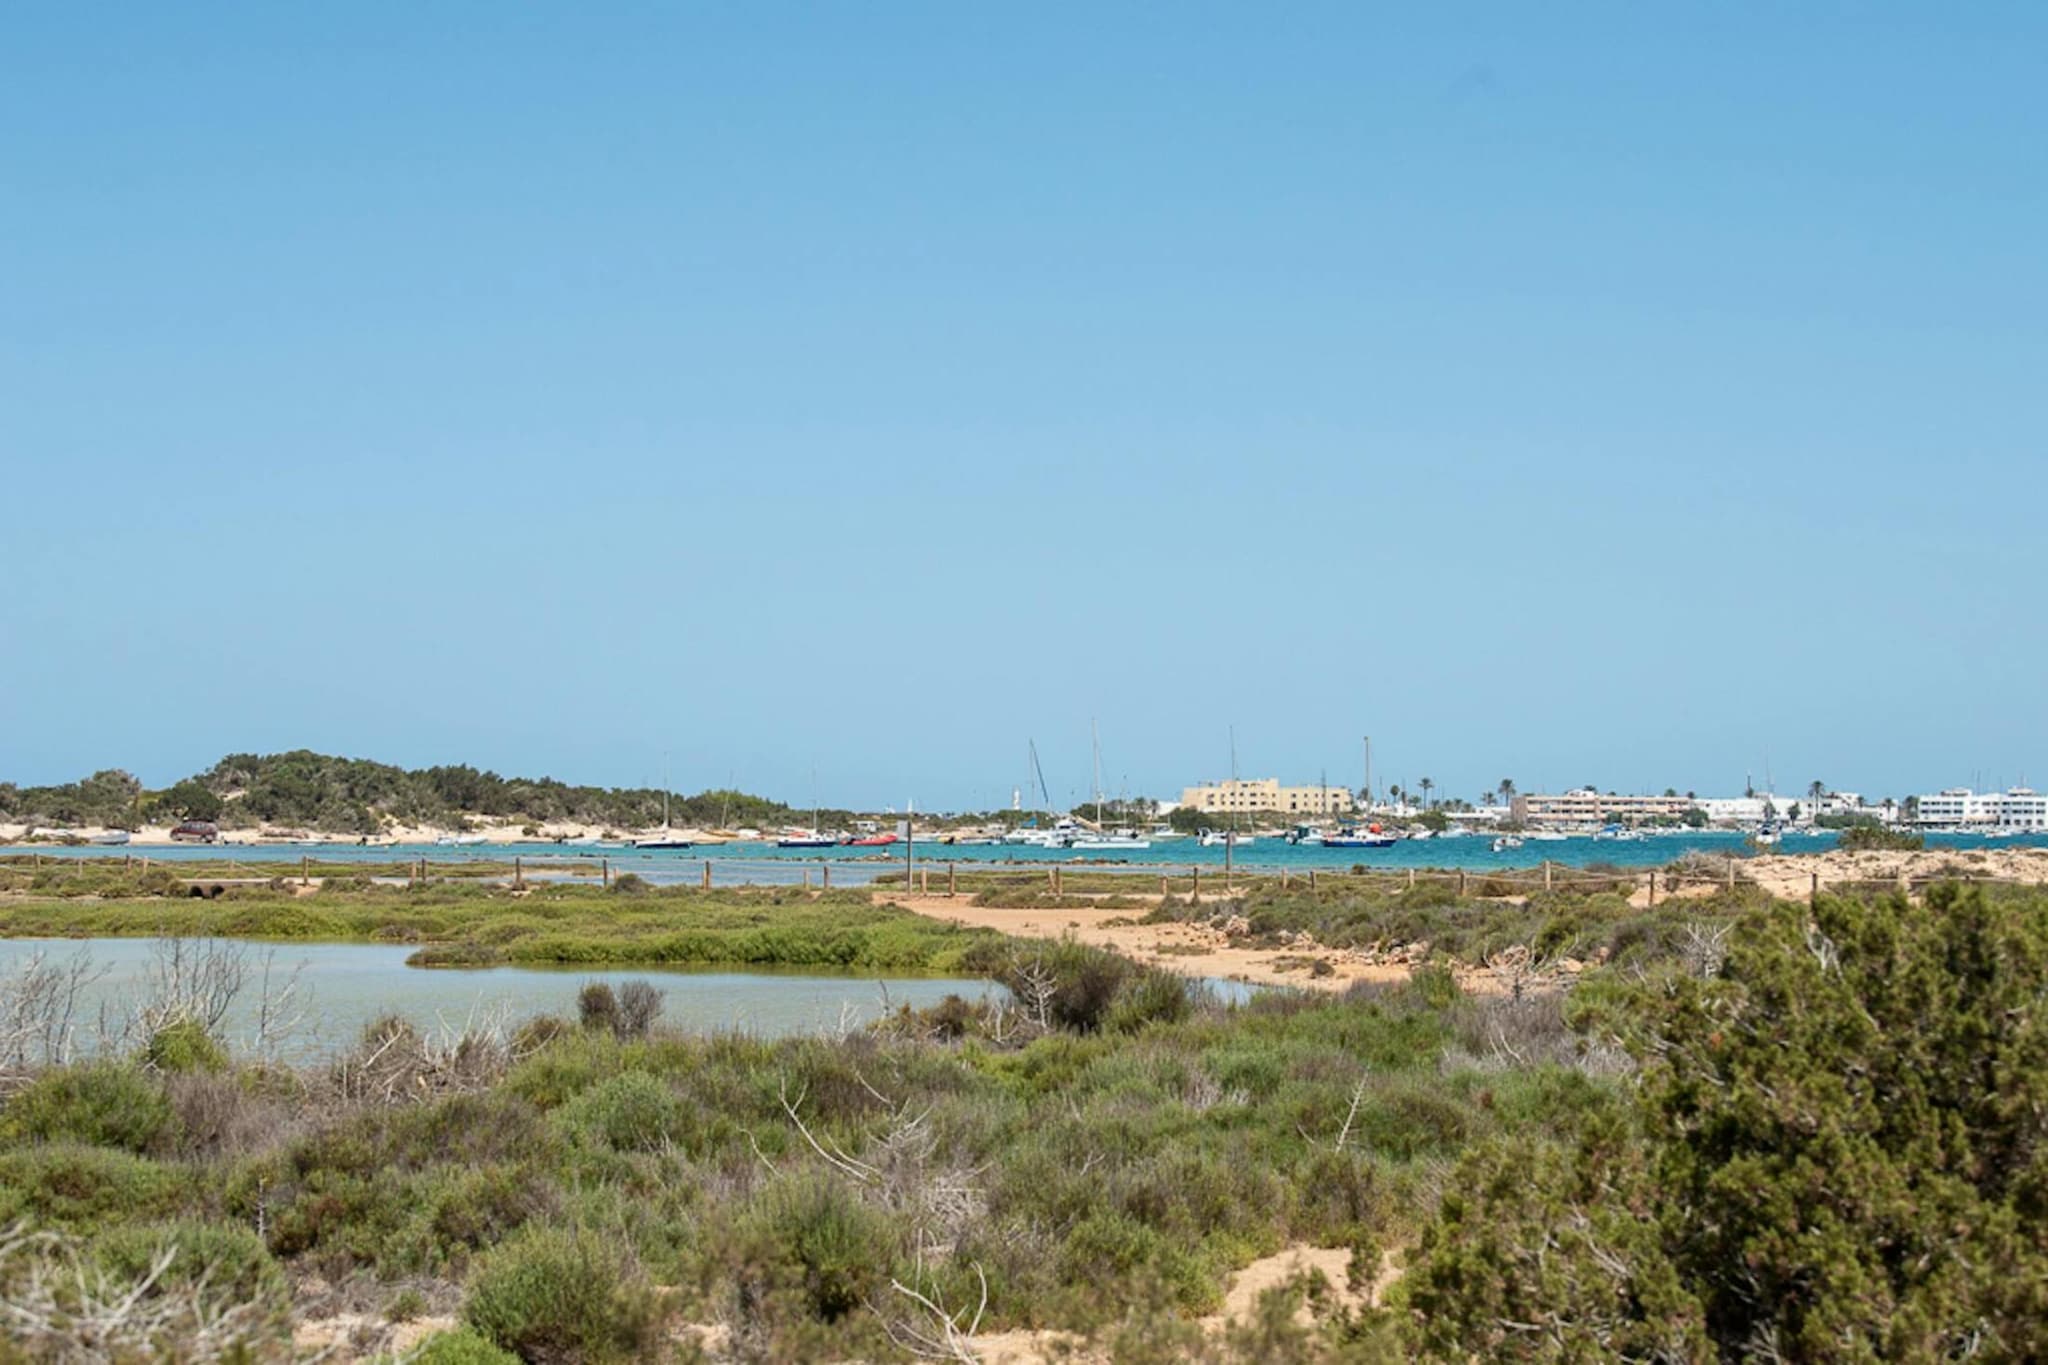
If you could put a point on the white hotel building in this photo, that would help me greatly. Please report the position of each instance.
(1961, 808)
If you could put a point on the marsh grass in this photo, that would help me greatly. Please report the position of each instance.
(477, 924)
(1132, 1138)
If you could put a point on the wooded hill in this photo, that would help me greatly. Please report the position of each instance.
(353, 795)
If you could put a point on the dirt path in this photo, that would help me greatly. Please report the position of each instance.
(1189, 949)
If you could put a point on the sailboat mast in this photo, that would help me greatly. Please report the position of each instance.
(1095, 742)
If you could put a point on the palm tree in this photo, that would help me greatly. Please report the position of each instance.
(1507, 790)
(1427, 783)
(1815, 790)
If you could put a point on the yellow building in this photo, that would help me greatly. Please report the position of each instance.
(1588, 807)
(1254, 796)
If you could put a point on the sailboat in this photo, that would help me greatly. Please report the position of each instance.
(1229, 838)
(812, 837)
(1100, 840)
(668, 838)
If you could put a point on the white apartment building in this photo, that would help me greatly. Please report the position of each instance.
(1585, 806)
(1961, 808)
(1253, 796)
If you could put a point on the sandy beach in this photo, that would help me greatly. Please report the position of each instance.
(1214, 950)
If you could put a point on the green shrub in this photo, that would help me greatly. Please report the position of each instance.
(1435, 983)
(462, 1346)
(184, 1046)
(838, 1249)
(102, 1104)
(1859, 838)
(229, 1259)
(1148, 998)
(561, 1294)
(631, 1112)
(84, 1187)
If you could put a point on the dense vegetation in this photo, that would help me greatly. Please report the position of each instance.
(323, 792)
(1762, 1131)
(472, 923)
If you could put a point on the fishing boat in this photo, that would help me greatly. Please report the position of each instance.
(1506, 842)
(112, 838)
(1220, 838)
(1370, 837)
(1115, 841)
(882, 840)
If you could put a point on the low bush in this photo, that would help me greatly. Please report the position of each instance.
(461, 1346)
(184, 1045)
(630, 1112)
(228, 1259)
(82, 1188)
(558, 1294)
(102, 1104)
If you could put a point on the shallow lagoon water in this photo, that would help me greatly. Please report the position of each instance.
(343, 986)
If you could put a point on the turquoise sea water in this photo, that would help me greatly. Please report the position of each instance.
(764, 864)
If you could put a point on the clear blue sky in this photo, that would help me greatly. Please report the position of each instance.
(1609, 393)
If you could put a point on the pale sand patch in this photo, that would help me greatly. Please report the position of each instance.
(1189, 949)
(1791, 875)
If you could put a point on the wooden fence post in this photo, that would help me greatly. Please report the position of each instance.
(1731, 874)
(1461, 881)
(924, 880)
(707, 874)
(1813, 894)
(1195, 890)
(1162, 886)
(518, 872)
(952, 878)
(1411, 879)
(1056, 880)
(1653, 888)
(807, 879)
(825, 876)
(1311, 879)
(305, 870)
(605, 868)
(1546, 874)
